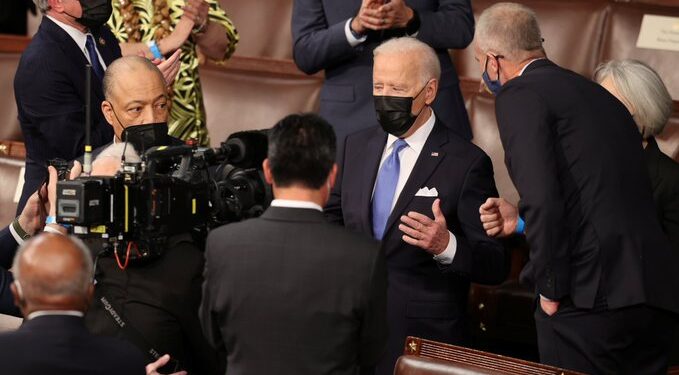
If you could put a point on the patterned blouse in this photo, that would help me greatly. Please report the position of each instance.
(187, 113)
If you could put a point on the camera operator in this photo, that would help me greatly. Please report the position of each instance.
(136, 104)
(157, 300)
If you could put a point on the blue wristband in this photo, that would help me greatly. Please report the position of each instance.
(153, 46)
(520, 226)
(51, 220)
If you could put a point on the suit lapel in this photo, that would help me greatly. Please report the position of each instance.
(77, 57)
(104, 50)
(426, 164)
(372, 153)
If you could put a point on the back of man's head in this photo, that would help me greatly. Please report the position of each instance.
(52, 272)
(510, 30)
(301, 151)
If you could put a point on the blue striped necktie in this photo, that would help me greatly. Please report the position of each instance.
(385, 188)
(94, 58)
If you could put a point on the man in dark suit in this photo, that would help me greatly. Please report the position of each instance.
(50, 90)
(417, 186)
(604, 272)
(340, 36)
(289, 293)
(53, 288)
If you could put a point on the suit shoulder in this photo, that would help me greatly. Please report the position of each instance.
(462, 147)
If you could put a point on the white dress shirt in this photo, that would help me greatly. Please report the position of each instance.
(295, 204)
(80, 39)
(408, 157)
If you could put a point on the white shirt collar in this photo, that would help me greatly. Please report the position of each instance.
(530, 62)
(36, 314)
(78, 36)
(416, 140)
(295, 204)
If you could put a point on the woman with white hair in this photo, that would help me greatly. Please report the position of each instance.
(644, 94)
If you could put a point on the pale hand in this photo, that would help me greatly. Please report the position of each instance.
(169, 67)
(549, 307)
(368, 17)
(152, 368)
(421, 231)
(499, 217)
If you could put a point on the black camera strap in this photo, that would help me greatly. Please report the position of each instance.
(131, 333)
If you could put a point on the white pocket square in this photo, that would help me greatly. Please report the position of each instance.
(426, 192)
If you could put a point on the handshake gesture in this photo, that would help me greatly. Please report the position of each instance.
(381, 15)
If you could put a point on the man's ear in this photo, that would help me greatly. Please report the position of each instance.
(107, 110)
(431, 91)
(266, 167)
(16, 295)
(332, 176)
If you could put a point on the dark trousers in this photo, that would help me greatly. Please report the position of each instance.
(630, 340)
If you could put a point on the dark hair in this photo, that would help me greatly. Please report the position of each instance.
(301, 151)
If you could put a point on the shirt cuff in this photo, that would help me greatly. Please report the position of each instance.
(51, 228)
(546, 299)
(16, 235)
(353, 41)
(447, 256)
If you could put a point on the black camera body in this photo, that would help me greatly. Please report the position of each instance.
(176, 189)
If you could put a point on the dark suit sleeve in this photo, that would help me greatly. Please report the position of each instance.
(333, 209)
(8, 247)
(7, 305)
(450, 26)
(529, 141)
(317, 45)
(480, 257)
(374, 325)
(205, 356)
(209, 320)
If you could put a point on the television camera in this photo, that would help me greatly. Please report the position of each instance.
(175, 189)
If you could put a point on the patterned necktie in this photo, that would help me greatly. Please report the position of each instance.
(94, 58)
(387, 178)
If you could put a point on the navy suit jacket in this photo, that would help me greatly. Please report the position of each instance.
(347, 103)
(425, 299)
(60, 345)
(8, 247)
(575, 155)
(49, 87)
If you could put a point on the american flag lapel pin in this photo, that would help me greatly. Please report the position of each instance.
(434, 154)
(102, 41)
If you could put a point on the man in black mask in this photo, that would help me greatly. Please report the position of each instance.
(416, 186)
(137, 104)
(50, 85)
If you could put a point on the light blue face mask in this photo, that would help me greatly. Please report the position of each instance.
(494, 86)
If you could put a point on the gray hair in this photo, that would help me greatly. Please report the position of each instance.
(76, 285)
(429, 65)
(115, 151)
(642, 91)
(43, 5)
(510, 30)
(126, 63)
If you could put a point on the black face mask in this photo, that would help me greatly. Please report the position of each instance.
(143, 137)
(95, 13)
(394, 113)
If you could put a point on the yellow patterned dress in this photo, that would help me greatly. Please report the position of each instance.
(187, 114)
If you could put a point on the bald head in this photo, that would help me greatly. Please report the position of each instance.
(52, 272)
(129, 66)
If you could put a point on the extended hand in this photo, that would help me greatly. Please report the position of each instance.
(368, 17)
(33, 215)
(152, 368)
(499, 217)
(423, 232)
(169, 67)
(395, 14)
(197, 11)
